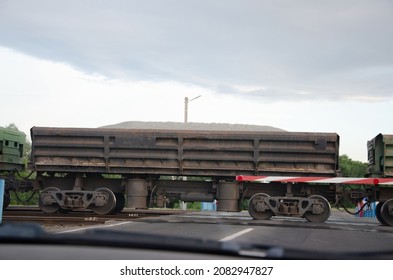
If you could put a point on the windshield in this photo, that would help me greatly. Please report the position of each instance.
(252, 129)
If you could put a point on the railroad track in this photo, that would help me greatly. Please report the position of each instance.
(77, 218)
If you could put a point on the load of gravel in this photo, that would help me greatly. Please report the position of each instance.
(191, 126)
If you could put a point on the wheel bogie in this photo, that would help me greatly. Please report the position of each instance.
(47, 201)
(319, 211)
(378, 213)
(104, 202)
(315, 208)
(386, 212)
(258, 208)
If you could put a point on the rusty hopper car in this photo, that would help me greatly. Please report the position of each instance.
(102, 169)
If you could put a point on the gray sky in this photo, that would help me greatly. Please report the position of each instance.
(324, 66)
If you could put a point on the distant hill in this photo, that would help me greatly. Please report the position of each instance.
(192, 126)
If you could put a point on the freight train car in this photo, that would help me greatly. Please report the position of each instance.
(380, 156)
(11, 149)
(376, 187)
(380, 164)
(11, 154)
(104, 169)
(80, 168)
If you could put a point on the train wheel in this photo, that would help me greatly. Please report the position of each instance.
(120, 202)
(7, 200)
(322, 208)
(385, 212)
(105, 202)
(47, 202)
(378, 213)
(258, 208)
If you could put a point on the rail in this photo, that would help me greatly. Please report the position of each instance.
(34, 214)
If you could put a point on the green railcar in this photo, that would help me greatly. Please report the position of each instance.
(380, 156)
(11, 149)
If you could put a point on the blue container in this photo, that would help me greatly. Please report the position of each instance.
(367, 212)
(209, 206)
(1, 199)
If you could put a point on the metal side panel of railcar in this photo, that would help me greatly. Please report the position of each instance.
(183, 153)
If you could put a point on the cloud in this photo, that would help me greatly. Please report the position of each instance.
(286, 50)
(46, 93)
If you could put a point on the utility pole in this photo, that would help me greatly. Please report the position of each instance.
(186, 101)
(183, 205)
